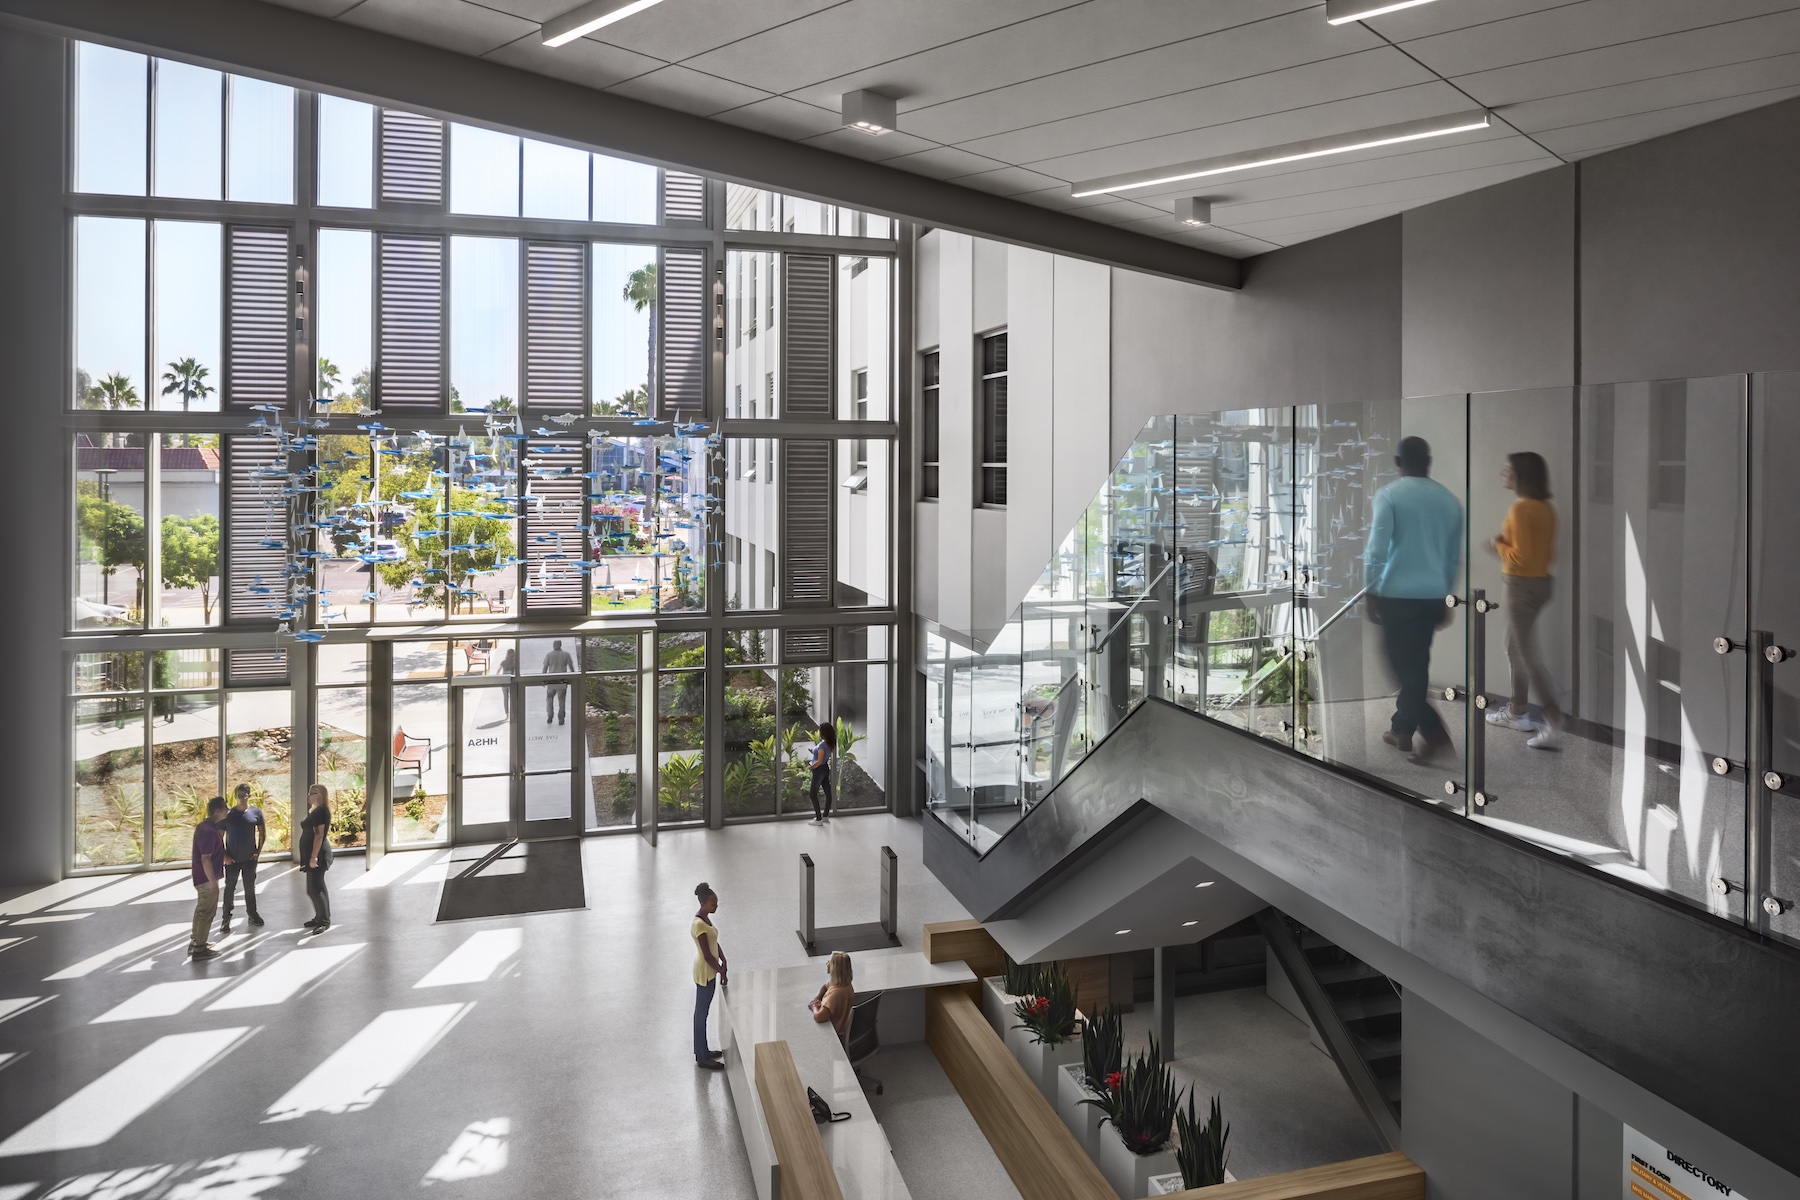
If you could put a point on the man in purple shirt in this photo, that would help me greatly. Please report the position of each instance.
(209, 865)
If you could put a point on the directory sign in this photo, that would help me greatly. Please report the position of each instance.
(1654, 1172)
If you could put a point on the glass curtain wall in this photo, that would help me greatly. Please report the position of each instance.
(1555, 612)
(494, 421)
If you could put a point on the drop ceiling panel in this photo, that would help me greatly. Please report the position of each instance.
(1427, 19)
(687, 90)
(1575, 27)
(1420, 190)
(1403, 162)
(857, 34)
(1168, 70)
(784, 117)
(1655, 95)
(593, 64)
(947, 162)
(1579, 141)
(1275, 129)
(1298, 87)
(1695, 50)
(450, 24)
(678, 30)
(1069, 40)
(1017, 97)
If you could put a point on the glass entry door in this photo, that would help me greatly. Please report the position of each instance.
(514, 766)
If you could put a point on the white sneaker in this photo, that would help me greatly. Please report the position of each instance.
(815, 821)
(1546, 738)
(1504, 718)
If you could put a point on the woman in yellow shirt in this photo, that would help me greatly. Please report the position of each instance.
(837, 997)
(709, 973)
(1526, 547)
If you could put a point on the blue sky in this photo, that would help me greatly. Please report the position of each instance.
(200, 114)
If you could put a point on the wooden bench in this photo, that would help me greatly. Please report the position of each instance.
(1030, 1140)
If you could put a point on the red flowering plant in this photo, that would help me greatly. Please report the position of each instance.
(1140, 1101)
(1102, 1042)
(1049, 1015)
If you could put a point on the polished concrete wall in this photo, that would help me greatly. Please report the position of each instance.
(34, 604)
(1673, 258)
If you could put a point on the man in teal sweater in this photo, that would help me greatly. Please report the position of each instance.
(1411, 563)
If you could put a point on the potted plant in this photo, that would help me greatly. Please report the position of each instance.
(1199, 1151)
(1052, 1029)
(1140, 1103)
(1102, 1039)
(1001, 993)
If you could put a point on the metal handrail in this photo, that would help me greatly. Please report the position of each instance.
(1126, 615)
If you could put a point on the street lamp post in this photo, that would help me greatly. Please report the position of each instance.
(105, 474)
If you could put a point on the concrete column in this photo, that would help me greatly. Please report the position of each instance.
(1164, 1027)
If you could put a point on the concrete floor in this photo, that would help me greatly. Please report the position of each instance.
(544, 1055)
(1286, 1103)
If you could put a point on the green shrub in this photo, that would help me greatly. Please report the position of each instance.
(1200, 1148)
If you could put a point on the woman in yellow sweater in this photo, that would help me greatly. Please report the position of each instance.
(709, 973)
(1526, 547)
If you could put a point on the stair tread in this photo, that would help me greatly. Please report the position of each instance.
(1363, 1008)
(1354, 971)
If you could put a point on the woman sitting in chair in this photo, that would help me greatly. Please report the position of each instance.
(837, 997)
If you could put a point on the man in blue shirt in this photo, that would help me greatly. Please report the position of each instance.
(1412, 560)
(245, 831)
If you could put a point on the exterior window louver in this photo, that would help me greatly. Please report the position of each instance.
(806, 645)
(806, 336)
(806, 576)
(683, 197)
(266, 667)
(256, 338)
(683, 315)
(553, 529)
(412, 158)
(555, 326)
(410, 363)
(256, 517)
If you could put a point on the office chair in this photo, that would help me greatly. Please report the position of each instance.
(864, 1040)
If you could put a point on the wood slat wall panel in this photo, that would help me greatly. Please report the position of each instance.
(1029, 1138)
(257, 317)
(806, 1172)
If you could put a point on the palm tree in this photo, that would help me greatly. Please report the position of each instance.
(640, 291)
(187, 378)
(115, 392)
(328, 378)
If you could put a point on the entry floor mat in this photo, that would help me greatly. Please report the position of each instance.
(511, 878)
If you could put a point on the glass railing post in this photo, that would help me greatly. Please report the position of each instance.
(1476, 710)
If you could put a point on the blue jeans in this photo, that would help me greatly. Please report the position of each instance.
(703, 996)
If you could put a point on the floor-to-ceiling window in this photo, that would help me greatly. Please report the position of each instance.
(366, 408)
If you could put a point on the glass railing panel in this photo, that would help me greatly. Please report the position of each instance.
(1379, 556)
(1775, 611)
(1644, 707)
(996, 692)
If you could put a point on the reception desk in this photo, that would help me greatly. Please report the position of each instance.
(770, 1006)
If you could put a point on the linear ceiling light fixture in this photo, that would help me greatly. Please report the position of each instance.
(1343, 143)
(579, 22)
(1342, 12)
